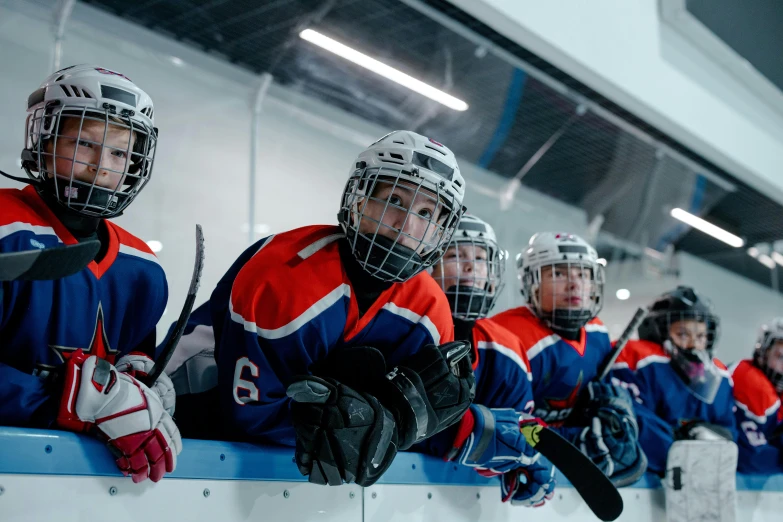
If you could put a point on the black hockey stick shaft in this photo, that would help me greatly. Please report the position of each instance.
(606, 366)
(595, 488)
(49, 263)
(182, 321)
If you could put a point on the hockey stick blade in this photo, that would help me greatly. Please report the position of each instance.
(606, 366)
(595, 488)
(176, 334)
(49, 263)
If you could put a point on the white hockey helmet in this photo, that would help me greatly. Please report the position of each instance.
(566, 251)
(471, 289)
(408, 162)
(769, 334)
(80, 94)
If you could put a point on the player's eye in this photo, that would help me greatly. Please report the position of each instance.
(396, 200)
(426, 213)
(120, 154)
(83, 143)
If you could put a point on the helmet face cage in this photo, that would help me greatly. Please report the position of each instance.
(60, 147)
(688, 329)
(471, 274)
(697, 370)
(769, 335)
(402, 231)
(574, 292)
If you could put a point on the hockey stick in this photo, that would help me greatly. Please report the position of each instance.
(184, 315)
(595, 488)
(606, 366)
(49, 263)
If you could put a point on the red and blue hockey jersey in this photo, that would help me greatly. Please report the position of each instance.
(665, 403)
(759, 416)
(501, 367)
(108, 309)
(561, 368)
(290, 303)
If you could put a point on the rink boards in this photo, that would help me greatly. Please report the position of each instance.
(47, 475)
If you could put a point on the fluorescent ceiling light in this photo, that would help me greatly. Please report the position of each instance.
(778, 258)
(753, 252)
(155, 245)
(382, 69)
(623, 294)
(601, 261)
(767, 261)
(707, 227)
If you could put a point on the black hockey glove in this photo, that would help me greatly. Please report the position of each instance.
(598, 396)
(426, 393)
(611, 435)
(342, 435)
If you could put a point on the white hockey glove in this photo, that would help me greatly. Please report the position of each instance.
(140, 433)
(138, 365)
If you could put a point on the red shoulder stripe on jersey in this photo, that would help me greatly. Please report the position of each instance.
(424, 304)
(423, 296)
(489, 335)
(26, 206)
(15, 207)
(267, 278)
(753, 392)
(638, 354)
(533, 335)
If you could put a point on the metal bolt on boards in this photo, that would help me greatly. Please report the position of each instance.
(429, 495)
(374, 494)
(112, 491)
(351, 494)
(206, 492)
(478, 495)
(2, 490)
(286, 494)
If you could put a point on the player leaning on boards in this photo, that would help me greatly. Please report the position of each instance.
(333, 338)
(488, 437)
(758, 387)
(563, 284)
(683, 392)
(71, 348)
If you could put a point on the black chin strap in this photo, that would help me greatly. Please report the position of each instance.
(29, 181)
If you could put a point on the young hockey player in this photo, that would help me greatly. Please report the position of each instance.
(683, 391)
(758, 386)
(563, 283)
(307, 323)
(71, 348)
(471, 275)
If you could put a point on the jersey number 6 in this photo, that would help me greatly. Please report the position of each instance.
(242, 384)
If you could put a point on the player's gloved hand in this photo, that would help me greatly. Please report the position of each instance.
(138, 365)
(342, 435)
(611, 441)
(140, 433)
(701, 430)
(530, 486)
(447, 379)
(425, 393)
(602, 395)
(491, 440)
